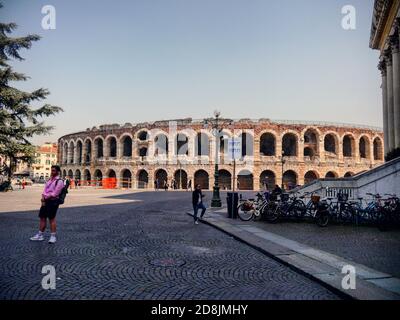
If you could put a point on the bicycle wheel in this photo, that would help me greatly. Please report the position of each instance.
(272, 212)
(322, 219)
(244, 214)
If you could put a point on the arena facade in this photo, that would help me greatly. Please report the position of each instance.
(146, 155)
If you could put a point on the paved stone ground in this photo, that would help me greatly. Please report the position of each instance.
(114, 251)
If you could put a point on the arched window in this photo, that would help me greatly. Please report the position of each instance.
(245, 180)
(127, 146)
(99, 148)
(182, 144)
(143, 135)
(161, 144)
(112, 147)
(267, 180)
(364, 148)
(202, 145)
(289, 145)
(79, 152)
(330, 144)
(143, 179)
(267, 144)
(88, 152)
(201, 177)
(348, 146)
(310, 176)
(311, 147)
(289, 180)
(378, 149)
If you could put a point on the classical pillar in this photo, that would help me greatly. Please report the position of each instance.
(394, 42)
(382, 68)
(390, 104)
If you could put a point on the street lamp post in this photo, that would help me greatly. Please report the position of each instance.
(216, 199)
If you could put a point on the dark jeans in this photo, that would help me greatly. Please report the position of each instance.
(196, 208)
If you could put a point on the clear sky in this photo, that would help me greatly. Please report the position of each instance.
(143, 60)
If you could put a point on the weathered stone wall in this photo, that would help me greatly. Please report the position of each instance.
(304, 145)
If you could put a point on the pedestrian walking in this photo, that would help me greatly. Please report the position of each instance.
(197, 201)
(50, 203)
(189, 185)
(165, 185)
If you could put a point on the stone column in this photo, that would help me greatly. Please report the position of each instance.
(394, 41)
(382, 68)
(389, 71)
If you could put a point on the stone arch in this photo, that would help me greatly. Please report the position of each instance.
(65, 153)
(268, 144)
(126, 178)
(88, 150)
(64, 174)
(71, 152)
(202, 144)
(99, 147)
(70, 174)
(224, 179)
(223, 138)
(331, 175)
(111, 142)
(364, 147)
(87, 177)
(126, 145)
(143, 135)
(348, 146)
(310, 176)
(181, 179)
(161, 177)
(267, 178)
(161, 144)
(77, 175)
(378, 149)
(245, 180)
(98, 177)
(290, 143)
(201, 177)
(311, 142)
(111, 173)
(247, 141)
(79, 151)
(142, 178)
(289, 179)
(331, 144)
(348, 174)
(181, 144)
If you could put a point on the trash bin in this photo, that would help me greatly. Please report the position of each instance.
(232, 202)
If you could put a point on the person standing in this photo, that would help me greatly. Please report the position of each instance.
(189, 185)
(197, 201)
(50, 203)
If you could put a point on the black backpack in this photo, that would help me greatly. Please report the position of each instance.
(64, 191)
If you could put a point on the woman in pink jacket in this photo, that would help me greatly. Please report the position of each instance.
(50, 203)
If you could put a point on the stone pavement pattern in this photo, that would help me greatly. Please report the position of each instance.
(140, 250)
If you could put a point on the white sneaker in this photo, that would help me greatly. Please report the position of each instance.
(52, 239)
(37, 237)
(196, 222)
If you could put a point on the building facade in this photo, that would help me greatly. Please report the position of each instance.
(385, 37)
(45, 157)
(147, 155)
